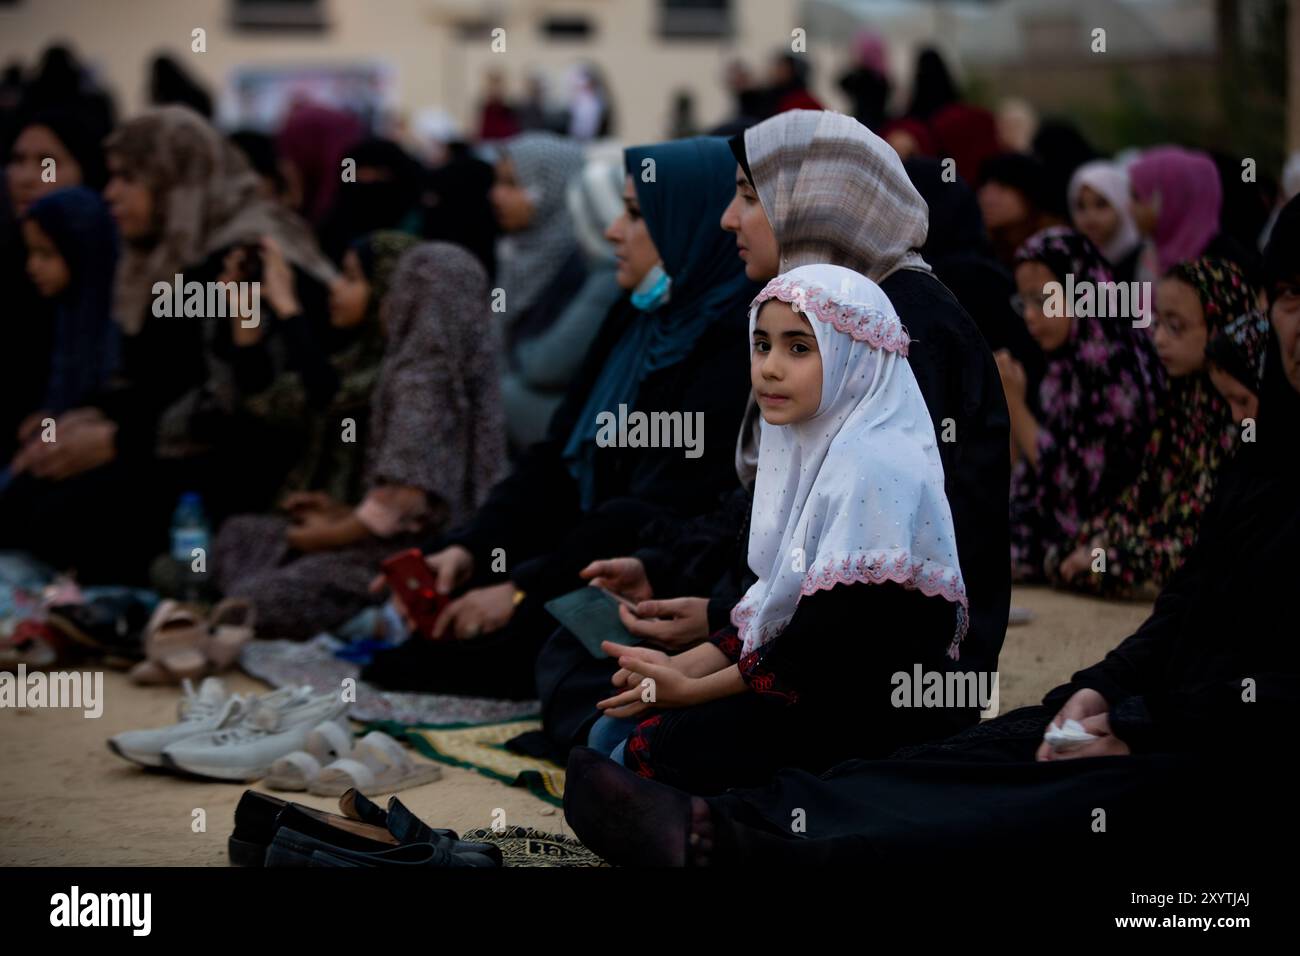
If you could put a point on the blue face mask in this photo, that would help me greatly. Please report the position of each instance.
(654, 290)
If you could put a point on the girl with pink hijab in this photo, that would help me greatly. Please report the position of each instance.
(1177, 197)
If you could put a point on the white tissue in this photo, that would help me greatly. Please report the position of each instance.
(1068, 736)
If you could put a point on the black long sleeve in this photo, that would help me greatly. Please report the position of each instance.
(845, 643)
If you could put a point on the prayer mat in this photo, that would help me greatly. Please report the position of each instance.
(524, 846)
(482, 748)
(282, 663)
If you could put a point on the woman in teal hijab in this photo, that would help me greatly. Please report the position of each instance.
(674, 345)
(671, 193)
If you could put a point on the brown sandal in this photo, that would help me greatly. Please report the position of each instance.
(175, 647)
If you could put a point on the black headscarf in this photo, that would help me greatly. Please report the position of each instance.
(933, 88)
(169, 83)
(1062, 149)
(457, 208)
(1026, 174)
(958, 249)
(81, 135)
(364, 207)
(1280, 262)
(956, 224)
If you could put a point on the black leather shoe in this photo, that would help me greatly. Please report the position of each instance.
(293, 848)
(259, 816)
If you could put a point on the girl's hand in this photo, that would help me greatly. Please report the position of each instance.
(480, 611)
(80, 445)
(31, 425)
(1013, 375)
(301, 503)
(625, 576)
(1079, 560)
(662, 686)
(277, 280)
(625, 677)
(675, 622)
(314, 531)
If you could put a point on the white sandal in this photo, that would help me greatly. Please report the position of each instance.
(327, 742)
(378, 765)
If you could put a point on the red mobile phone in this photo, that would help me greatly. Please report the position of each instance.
(411, 579)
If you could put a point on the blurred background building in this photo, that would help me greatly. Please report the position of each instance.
(1196, 71)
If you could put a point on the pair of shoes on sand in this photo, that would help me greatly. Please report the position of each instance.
(230, 737)
(179, 645)
(298, 740)
(331, 763)
(270, 832)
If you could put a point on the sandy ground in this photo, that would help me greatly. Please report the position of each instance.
(67, 800)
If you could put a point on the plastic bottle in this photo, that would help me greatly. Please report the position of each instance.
(189, 532)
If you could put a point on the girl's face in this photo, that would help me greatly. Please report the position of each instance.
(634, 250)
(1145, 213)
(785, 367)
(1243, 402)
(755, 241)
(1180, 330)
(1051, 332)
(1001, 205)
(1284, 312)
(1095, 217)
(130, 202)
(32, 147)
(45, 266)
(510, 202)
(349, 294)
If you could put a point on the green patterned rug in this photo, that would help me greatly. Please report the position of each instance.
(481, 748)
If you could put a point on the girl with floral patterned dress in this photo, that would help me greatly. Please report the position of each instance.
(1201, 306)
(1097, 399)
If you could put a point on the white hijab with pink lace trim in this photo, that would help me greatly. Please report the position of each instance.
(855, 493)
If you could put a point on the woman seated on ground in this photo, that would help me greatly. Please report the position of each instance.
(1097, 399)
(1177, 198)
(587, 490)
(71, 253)
(541, 266)
(546, 362)
(182, 196)
(852, 539)
(1016, 201)
(435, 445)
(1145, 533)
(1198, 701)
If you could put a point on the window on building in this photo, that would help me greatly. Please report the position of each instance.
(695, 18)
(567, 28)
(278, 14)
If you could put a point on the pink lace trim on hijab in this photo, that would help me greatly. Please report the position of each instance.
(875, 567)
(878, 329)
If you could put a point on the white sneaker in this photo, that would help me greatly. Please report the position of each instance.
(211, 708)
(267, 731)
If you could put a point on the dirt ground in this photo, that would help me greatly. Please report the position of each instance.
(67, 800)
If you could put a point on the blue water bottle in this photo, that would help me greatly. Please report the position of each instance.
(190, 532)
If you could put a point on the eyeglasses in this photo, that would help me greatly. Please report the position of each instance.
(1020, 303)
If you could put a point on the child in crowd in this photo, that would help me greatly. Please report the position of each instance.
(852, 541)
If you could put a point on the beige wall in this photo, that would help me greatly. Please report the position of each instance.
(413, 36)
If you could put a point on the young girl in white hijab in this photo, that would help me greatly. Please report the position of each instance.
(852, 542)
(1099, 208)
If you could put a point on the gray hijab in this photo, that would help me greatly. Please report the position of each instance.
(531, 258)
